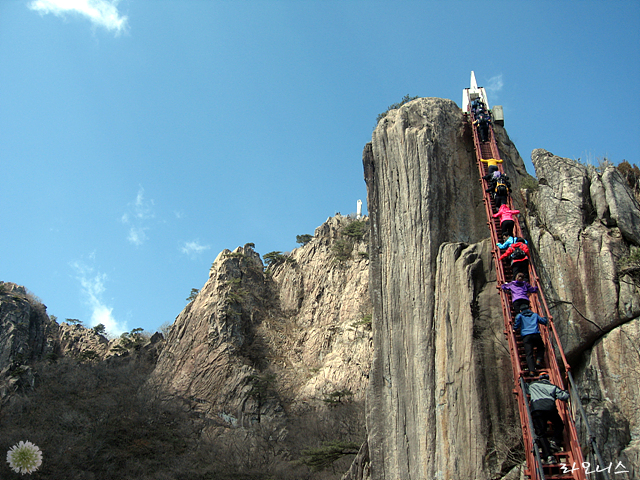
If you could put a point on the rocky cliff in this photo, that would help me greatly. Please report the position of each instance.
(263, 365)
(439, 401)
(281, 354)
(433, 411)
(26, 335)
(399, 310)
(584, 222)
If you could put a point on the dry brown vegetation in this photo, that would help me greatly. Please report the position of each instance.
(92, 420)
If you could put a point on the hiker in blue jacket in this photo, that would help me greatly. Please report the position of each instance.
(527, 322)
(508, 240)
(543, 410)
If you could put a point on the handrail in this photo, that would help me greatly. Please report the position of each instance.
(583, 414)
(549, 334)
(534, 435)
(573, 388)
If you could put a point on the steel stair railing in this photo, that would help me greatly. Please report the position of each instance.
(573, 454)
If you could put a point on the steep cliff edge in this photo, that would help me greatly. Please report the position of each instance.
(26, 335)
(439, 398)
(433, 411)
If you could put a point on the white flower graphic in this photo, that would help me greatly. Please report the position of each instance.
(25, 457)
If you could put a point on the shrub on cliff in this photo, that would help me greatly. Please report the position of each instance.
(192, 296)
(629, 265)
(355, 229)
(341, 250)
(632, 176)
(303, 239)
(320, 458)
(405, 99)
(272, 259)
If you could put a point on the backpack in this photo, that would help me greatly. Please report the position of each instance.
(518, 254)
(501, 187)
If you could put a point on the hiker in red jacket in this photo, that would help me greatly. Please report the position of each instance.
(518, 253)
(506, 219)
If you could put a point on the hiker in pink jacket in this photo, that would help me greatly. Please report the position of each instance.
(506, 219)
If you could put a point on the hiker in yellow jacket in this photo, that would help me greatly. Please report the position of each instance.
(492, 163)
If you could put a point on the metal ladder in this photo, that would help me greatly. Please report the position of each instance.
(569, 459)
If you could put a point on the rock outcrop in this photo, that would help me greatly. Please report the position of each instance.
(439, 401)
(209, 354)
(326, 296)
(81, 342)
(584, 222)
(24, 326)
(29, 336)
(257, 351)
(433, 411)
(26, 335)
(610, 388)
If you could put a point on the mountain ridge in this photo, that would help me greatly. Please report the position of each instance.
(388, 336)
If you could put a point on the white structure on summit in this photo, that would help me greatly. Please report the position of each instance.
(359, 209)
(473, 92)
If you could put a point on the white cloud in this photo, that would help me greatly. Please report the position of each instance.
(193, 248)
(92, 287)
(137, 235)
(143, 209)
(103, 13)
(494, 85)
(138, 213)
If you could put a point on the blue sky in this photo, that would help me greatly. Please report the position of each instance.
(139, 138)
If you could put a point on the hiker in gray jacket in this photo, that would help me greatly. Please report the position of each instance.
(543, 396)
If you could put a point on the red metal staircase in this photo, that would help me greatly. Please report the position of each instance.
(571, 454)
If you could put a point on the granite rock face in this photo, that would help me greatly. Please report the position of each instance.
(206, 356)
(475, 423)
(610, 388)
(26, 335)
(328, 302)
(76, 340)
(584, 222)
(439, 398)
(432, 409)
(258, 350)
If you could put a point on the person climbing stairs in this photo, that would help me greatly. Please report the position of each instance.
(557, 465)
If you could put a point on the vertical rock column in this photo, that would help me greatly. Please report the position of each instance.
(422, 191)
